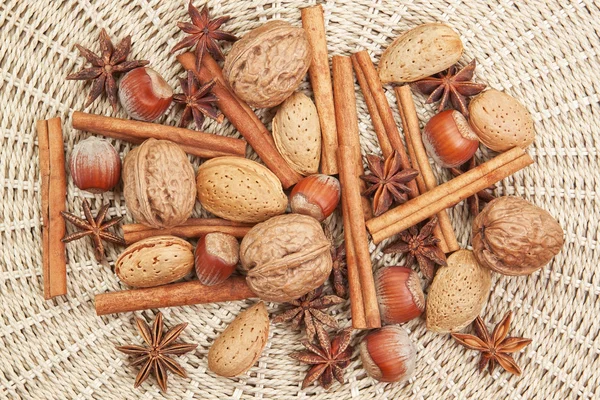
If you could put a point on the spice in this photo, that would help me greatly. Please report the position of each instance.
(328, 358)
(421, 246)
(452, 86)
(104, 67)
(388, 181)
(307, 310)
(154, 356)
(339, 271)
(474, 202)
(199, 101)
(96, 228)
(204, 33)
(494, 348)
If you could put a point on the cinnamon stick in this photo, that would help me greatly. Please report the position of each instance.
(242, 118)
(201, 144)
(172, 295)
(313, 23)
(192, 228)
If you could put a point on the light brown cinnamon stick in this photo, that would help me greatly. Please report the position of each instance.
(313, 23)
(172, 295)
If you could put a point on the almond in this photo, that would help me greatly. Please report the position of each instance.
(240, 190)
(297, 133)
(239, 346)
(420, 52)
(500, 121)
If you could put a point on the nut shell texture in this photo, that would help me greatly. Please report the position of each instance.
(388, 354)
(159, 184)
(95, 165)
(514, 237)
(266, 65)
(286, 257)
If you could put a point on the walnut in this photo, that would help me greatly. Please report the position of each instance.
(268, 63)
(286, 257)
(159, 184)
(514, 237)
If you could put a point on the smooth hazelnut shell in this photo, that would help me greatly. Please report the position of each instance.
(95, 165)
(449, 139)
(388, 354)
(316, 195)
(215, 257)
(399, 294)
(144, 94)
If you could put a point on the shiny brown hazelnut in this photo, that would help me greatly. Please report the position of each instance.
(388, 354)
(316, 195)
(215, 257)
(399, 294)
(95, 165)
(144, 94)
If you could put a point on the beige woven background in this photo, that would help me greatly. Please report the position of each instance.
(544, 52)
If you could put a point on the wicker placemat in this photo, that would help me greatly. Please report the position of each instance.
(543, 52)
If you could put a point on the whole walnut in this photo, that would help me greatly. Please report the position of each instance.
(514, 237)
(159, 184)
(286, 257)
(265, 66)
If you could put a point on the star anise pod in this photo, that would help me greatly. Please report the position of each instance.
(483, 196)
(388, 181)
(154, 357)
(307, 310)
(420, 245)
(339, 271)
(199, 101)
(328, 358)
(96, 228)
(204, 33)
(451, 86)
(104, 67)
(494, 348)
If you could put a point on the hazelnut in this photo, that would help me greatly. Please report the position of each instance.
(388, 354)
(316, 195)
(95, 165)
(144, 94)
(449, 139)
(215, 257)
(399, 294)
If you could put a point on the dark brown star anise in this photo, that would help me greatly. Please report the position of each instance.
(204, 33)
(420, 245)
(388, 181)
(96, 228)
(154, 357)
(307, 310)
(328, 359)
(199, 101)
(104, 67)
(494, 348)
(451, 86)
(339, 272)
(474, 202)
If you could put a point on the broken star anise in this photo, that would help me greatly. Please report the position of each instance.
(420, 245)
(483, 196)
(104, 67)
(154, 357)
(307, 310)
(494, 348)
(451, 86)
(204, 33)
(199, 101)
(96, 228)
(328, 359)
(339, 272)
(388, 181)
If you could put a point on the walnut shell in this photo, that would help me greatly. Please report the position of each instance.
(266, 65)
(285, 257)
(514, 237)
(159, 186)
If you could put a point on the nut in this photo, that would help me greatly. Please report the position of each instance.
(449, 139)
(514, 237)
(215, 257)
(95, 165)
(419, 53)
(286, 257)
(399, 294)
(159, 184)
(144, 94)
(297, 134)
(266, 65)
(458, 293)
(316, 195)
(500, 121)
(388, 354)
(239, 346)
(240, 190)
(155, 261)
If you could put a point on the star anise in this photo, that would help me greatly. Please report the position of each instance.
(199, 101)
(451, 86)
(388, 181)
(420, 245)
(483, 196)
(339, 272)
(494, 348)
(104, 67)
(96, 228)
(204, 33)
(307, 310)
(328, 358)
(154, 357)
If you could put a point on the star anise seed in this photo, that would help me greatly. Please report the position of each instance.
(199, 101)
(483, 196)
(339, 272)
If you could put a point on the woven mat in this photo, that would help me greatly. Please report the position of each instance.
(543, 52)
